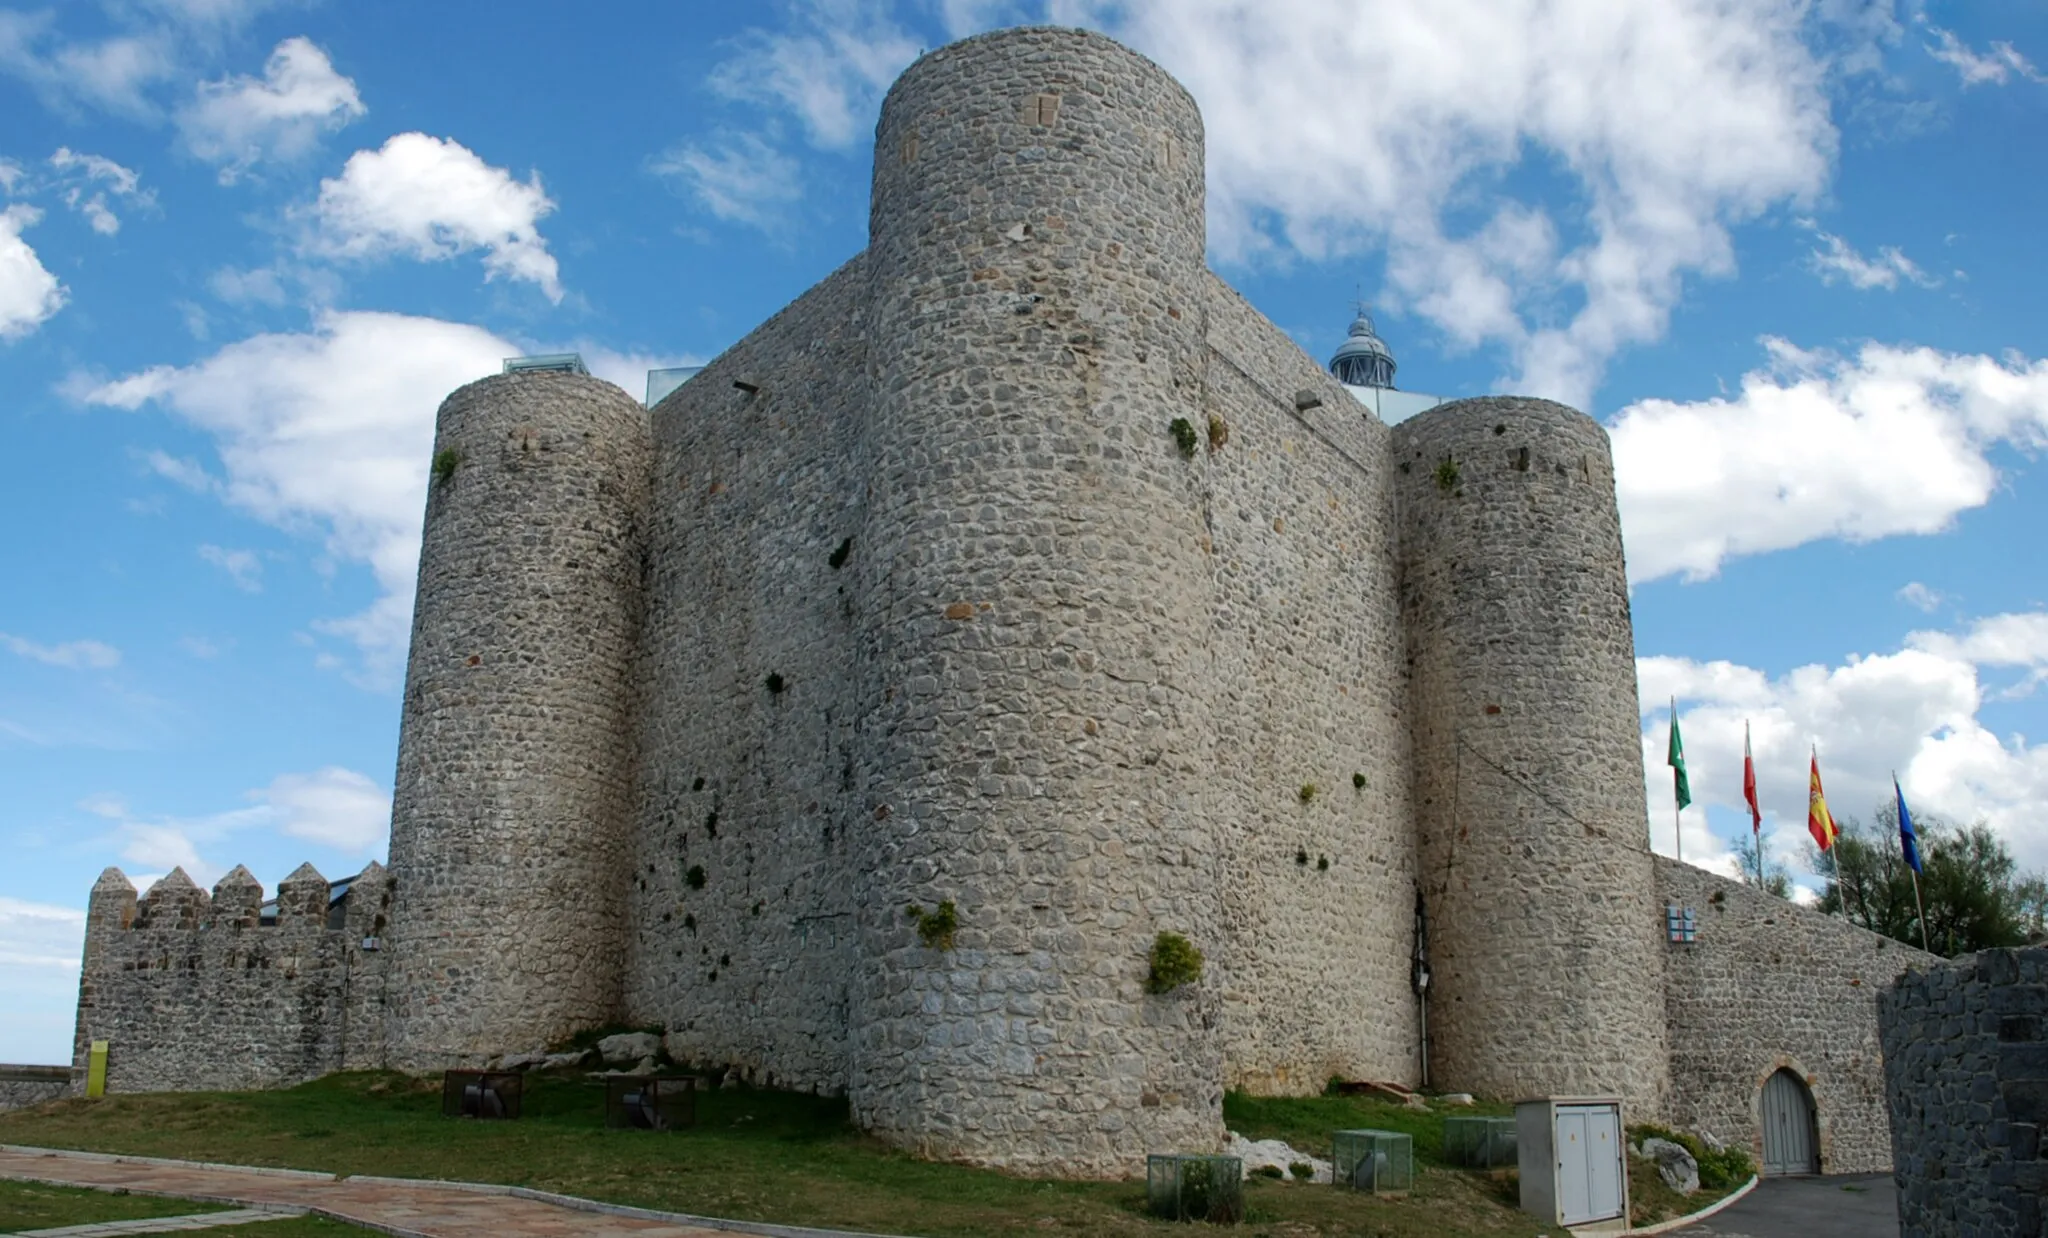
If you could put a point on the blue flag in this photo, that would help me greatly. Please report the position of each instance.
(1906, 838)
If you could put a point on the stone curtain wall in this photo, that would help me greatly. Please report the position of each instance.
(514, 781)
(23, 1086)
(1529, 777)
(1033, 595)
(1966, 1084)
(1770, 984)
(1309, 688)
(194, 993)
(755, 494)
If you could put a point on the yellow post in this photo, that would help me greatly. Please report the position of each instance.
(96, 1069)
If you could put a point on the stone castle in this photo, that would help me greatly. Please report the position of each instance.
(1022, 566)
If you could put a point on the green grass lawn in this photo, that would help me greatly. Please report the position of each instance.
(754, 1154)
(31, 1205)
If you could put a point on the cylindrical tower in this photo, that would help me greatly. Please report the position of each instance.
(509, 846)
(1536, 878)
(1036, 600)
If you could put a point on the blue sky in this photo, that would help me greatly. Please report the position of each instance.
(1789, 250)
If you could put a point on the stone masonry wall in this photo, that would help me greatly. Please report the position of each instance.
(23, 1086)
(1966, 1085)
(1770, 985)
(195, 993)
(509, 837)
(1032, 595)
(1528, 769)
(757, 511)
(1309, 688)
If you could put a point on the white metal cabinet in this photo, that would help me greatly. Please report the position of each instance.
(1574, 1161)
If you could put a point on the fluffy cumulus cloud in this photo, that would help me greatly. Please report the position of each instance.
(335, 807)
(1914, 711)
(330, 429)
(1884, 441)
(239, 121)
(29, 294)
(432, 199)
(1340, 129)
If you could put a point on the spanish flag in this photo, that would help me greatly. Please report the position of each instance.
(1818, 822)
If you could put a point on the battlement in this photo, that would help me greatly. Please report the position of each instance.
(229, 990)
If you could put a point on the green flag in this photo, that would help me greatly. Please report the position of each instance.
(1679, 786)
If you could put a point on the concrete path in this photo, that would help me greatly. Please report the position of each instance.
(1841, 1206)
(403, 1207)
(161, 1225)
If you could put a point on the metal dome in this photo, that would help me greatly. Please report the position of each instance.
(1363, 359)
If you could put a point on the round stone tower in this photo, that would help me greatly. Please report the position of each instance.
(509, 843)
(1543, 925)
(1035, 597)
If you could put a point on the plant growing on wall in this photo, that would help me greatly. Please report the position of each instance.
(1219, 433)
(695, 877)
(1308, 792)
(1447, 475)
(1184, 436)
(775, 683)
(1358, 781)
(935, 928)
(446, 461)
(1175, 962)
(838, 559)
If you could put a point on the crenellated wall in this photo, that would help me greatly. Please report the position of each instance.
(197, 993)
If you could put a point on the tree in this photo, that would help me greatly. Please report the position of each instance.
(1777, 879)
(1974, 893)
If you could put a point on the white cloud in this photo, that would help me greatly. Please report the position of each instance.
(79, 173)
(1997, 66)
(1340, 129)
(11, 174)
(260, 286)
(240, 121)
(40, 935)
(1835, 259)
(1886, 441)
(739, 177)
(1921, 597)
(29, 294)
(829, 69)
(426, 198)
(331, 429)
(71, 655)
(335, 807)
(1914, 711)
(242, 566)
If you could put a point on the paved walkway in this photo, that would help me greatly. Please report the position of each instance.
(408, 1209)
(1837, 1206)
(162, 1225)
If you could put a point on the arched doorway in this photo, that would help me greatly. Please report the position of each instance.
(1791, 1144)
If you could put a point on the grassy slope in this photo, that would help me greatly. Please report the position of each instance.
(31, 1205)
(754, 1154)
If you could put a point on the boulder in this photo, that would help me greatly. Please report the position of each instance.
(1260, 1154)
(1456, 1098)
(520, 1061)
(561, 1061)
(1674, 1164)
(626, 1048)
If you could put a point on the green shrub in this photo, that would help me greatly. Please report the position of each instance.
(1308, 792)
(1270, 1171)
(695, 877)
(1358, 781)
(1718, 1170)
(1175, 962)
(446, 461)
(1302, 1170)
(935, 928)
(1184, 436)
(774, 683)
(1447, 475)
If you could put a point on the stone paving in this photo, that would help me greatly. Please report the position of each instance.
(162, 1225)
(394, 1206)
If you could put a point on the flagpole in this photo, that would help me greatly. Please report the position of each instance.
(1919, 907)
(1677, 825)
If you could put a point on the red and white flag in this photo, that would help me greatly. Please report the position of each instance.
(1756, 815)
